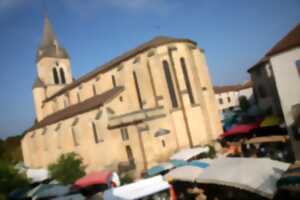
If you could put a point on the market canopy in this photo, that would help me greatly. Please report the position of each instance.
(187, 154)
(163, 167)
(240, 129)
(187, 173)
(291, 179)
(257, 175)
(94, 178)
(137, 190)
(159, 168)
(49, 191)
(37, 175)
(270, 121)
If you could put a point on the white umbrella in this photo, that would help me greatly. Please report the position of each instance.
(258, 175)
(137, 190)
(187, 154)
(185, 173)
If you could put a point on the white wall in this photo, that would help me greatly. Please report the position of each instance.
(287, 82)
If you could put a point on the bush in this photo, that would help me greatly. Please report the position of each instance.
(127, 178)
(244, 103)
(10, 179)
(212, 152)
(67, 169)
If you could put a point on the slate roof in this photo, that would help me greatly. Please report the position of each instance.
(73, 110)
(47, 47)
(155, 42)
(234, 88)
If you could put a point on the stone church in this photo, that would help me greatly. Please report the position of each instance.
(136, 110)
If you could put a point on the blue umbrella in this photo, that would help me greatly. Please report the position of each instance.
(198, 163)
(178, 163)
(159, 168)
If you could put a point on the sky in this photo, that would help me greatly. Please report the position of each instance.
(234, 34)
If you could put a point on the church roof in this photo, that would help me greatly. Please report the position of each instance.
(38, 83)
(291, 40)
(73, 110)
(155, 42)
(49, 46)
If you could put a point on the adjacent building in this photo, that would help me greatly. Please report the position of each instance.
(227, 96)
(276, 83)
(136, 109)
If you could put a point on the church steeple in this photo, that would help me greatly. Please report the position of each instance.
(49, 46)
(53, 69)
(48, 34)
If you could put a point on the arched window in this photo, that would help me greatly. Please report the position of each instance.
(187, 80)
(169, 80)
(62, 76)
(55, 76)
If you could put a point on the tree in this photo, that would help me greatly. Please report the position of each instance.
(244, 103)
(67, 169)
(10, 179)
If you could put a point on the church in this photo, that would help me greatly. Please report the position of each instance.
(135, 110)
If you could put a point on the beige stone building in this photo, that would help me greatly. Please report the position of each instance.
(227, 96)
(137, 109)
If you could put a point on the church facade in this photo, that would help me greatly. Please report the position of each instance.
(135, 110)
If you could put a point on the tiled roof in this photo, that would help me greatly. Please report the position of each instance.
(77, 109)
(232, 88)
(155, 42)
(291, 40)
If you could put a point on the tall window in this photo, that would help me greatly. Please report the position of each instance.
(170, 84)
(75, 135)
(187, 80)
(94, 90)
(163, 143)
(138, 92)
(124, 134)
(78, 97)
(129, 154)
(113, 81)
(228, 99)
(55, 76)
(96, 132)
(220, 101)
(62, 76)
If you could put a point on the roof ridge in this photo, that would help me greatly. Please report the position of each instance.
(117, 60)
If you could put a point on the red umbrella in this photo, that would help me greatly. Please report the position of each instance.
(94, 178)
(240, 129)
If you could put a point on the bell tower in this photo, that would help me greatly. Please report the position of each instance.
(53, 69)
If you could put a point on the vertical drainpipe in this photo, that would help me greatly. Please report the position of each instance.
(188, 130)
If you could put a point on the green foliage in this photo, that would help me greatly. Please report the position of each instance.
(127, 178)
(10, 179)
(10, 149)
(212, 152)
(67, 169)
(244, 103)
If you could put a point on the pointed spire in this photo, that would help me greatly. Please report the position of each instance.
(49, 46)
(48, 35)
